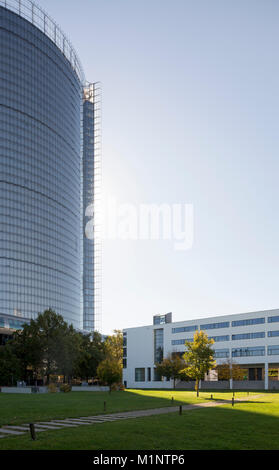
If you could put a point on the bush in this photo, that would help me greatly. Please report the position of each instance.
(65, 388)
(52, 388)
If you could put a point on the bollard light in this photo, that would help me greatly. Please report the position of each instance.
(32, 431)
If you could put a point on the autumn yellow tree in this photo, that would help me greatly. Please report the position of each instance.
(230, 370)
(199, 357)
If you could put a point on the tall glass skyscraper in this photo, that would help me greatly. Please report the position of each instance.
(48, 157)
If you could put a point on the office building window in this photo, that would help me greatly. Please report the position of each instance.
(175, 342)
(211, 326)
(273, 350)
(219, 353)
(158, 345)
(241, 352)
(274, 319)
(182, 329)
(250, 321)
(157, 376)
(260, 334)
(140, 374)
(220, 338)
(273, 333)
(124, 363)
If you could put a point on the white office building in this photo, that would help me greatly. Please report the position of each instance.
(249, 339)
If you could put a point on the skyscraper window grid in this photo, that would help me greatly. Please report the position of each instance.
(41, 208)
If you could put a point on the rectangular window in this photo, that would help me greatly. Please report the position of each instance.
(149, 374)
(182, 329)
(211, 326)
(274, 319)
(260, 334)
(273, 350)
(220, 338)
(140, 374)
(124, 348)
(242, 352)
(251, 321)
(157, 377)
(221, 353)
(180, 341)
(158, 345)
(124, 363)
(273, 333)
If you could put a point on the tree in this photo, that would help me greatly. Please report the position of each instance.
(10, 370)
(114, 346)
(48, 345)
(27, 348)
(171, 367)
(91, 352)
(110, 372)
(199, 357)
(52, 332)
(230, 370)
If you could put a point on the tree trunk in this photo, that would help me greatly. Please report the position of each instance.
(174, 384)
(197, 387)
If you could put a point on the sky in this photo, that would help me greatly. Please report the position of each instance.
(190, 115)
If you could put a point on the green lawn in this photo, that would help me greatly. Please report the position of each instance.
(249, 425)
(19, 408)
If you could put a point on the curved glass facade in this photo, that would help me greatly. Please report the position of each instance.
(40, 174)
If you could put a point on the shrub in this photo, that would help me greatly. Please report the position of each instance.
(52, 388)
(65, 388)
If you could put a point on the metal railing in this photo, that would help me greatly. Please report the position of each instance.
(30, 11)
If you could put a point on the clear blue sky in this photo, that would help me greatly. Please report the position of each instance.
(190, 115)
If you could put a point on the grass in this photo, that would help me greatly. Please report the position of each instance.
(247, 426)
(19, 408)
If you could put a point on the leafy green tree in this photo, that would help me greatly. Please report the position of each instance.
(171, 367)
(49, 346)
(91, 352)
(27, 348)
(52, 331)
(199, 357)
(114, 346)
(110, 372)
(10, 367)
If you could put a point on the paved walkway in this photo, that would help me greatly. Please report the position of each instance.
(21, 429)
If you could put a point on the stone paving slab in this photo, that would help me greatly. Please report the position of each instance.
(11, 432)
(44, 426)
(23, 427)
(58, 425)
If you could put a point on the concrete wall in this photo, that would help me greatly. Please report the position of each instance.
(22, 389)
(91, 388)
(45, 390)
(205, 384)
(273, 385)
(248, 384)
